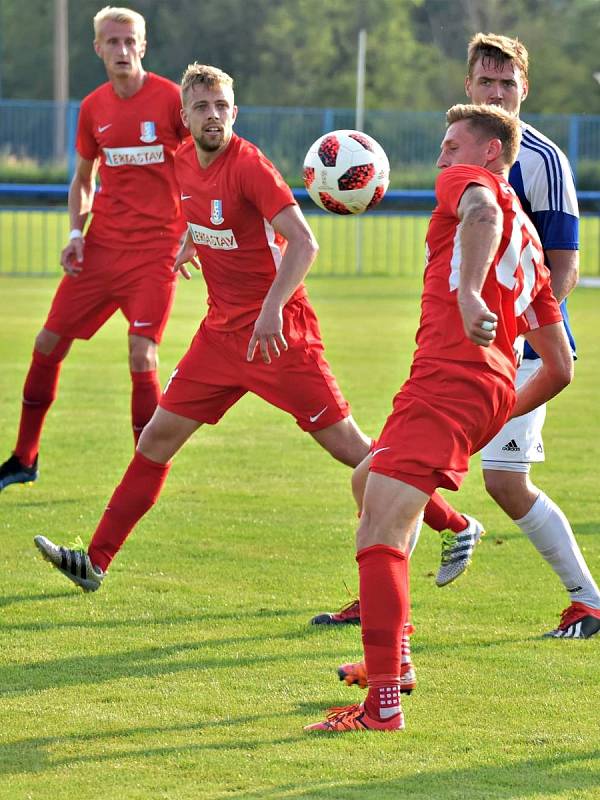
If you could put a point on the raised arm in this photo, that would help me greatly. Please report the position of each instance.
(301, 251)
(480, 235)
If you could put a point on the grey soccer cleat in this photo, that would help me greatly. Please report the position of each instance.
(74, 563)
(457, 550)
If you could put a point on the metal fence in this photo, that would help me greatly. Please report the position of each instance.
(43, 132)
(386, 241)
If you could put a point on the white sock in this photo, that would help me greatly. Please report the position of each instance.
(550, 533)
(414, 537)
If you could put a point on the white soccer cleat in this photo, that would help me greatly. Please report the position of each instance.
(74, 563)
(457, 551)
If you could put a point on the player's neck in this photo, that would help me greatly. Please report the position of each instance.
(129, 85)
(208, 157)
(498, 167)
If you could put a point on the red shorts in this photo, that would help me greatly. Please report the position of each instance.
(214, 374)
(445, 412)
(139, 282)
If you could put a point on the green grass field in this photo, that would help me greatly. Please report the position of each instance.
(192, 671)
(376, 244)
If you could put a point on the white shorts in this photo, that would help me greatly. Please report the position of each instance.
(519, 444)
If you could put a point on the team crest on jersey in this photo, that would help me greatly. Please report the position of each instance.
(148, 132)
(216, 213)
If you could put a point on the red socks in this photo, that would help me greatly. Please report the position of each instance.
(133, 497)
(384, 607)
(440, 515)
(39, 393)
(145, 393)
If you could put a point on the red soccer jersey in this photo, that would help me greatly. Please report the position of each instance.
(137, 205)
(517, 287)
(229, 207)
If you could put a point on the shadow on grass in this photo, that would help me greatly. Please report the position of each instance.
(151, 662)
(31, 755)
(64, 501)
(13, 599)
(558, 774)
(555, 774)
(139, 621)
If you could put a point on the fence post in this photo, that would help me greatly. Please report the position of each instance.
(573, 152)
(327, 120)
(72, 114)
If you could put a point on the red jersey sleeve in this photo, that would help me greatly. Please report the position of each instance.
(263, 185)
(543, 310)
(86, 143)
(452, 182)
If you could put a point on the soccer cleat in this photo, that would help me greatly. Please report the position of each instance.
(355, 674)
(347, 615)
(74, 563)
(355, 718)
(12, 471)
(578, 621)
(457, 550)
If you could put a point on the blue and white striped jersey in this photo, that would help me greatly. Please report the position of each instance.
(543, 181)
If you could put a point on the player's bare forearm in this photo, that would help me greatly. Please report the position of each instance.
(298, 259)
(268, 329)
(480, 233)
(187, 255)
(556, 370)
(301, 251)
(81, 192)
(564, 268)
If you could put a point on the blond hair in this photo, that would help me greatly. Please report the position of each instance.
(123, 15)
(202, 74)
(493, 122)
(498, 49)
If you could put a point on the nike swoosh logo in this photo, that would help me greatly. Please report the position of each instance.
(316, 416)
(102, 128)
(186, 196)
(380, 450)
(138, 324)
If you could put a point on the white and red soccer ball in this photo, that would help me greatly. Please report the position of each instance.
(346, 172)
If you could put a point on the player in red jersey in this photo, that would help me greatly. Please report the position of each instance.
(260, 333)
(485, 282)
(128, 131)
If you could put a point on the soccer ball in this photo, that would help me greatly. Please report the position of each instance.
(346, 172)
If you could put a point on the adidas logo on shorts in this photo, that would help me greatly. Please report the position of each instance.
(512, 447)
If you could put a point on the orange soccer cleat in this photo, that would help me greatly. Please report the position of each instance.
(355, 674)
(355, 718)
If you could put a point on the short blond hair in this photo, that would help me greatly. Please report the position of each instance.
(493, 122)
(124, 15)
(205, 75)
(499, 49)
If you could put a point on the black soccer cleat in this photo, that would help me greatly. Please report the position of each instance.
(12, 471)
(578, 621)
(347, 615)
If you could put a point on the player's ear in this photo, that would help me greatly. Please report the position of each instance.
(142, 48)
(524, 90)
(234, 114)
(468, 87)
(97, 48)
(184, 117)
(494, 149)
